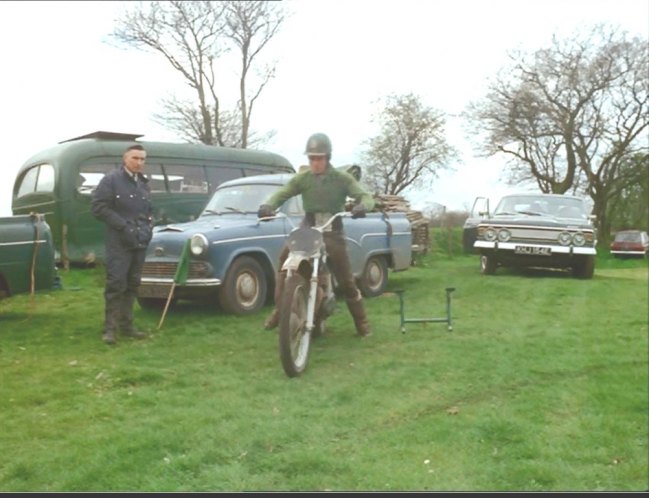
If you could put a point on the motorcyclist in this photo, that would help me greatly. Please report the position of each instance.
(324, 190)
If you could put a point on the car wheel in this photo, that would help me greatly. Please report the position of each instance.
(374, 279)
(487, 264)
(469, 236)
(244, 289)
(585, 267)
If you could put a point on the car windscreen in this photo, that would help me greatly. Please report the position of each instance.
(239, 199)
(560, 207)
(627, 237)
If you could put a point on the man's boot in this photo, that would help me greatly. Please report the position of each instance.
(273, 319)
(110, 321)
(126, 318)
(357, 310)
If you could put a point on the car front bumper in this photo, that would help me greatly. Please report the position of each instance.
(554, 249)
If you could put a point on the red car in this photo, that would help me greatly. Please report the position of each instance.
(630, 243)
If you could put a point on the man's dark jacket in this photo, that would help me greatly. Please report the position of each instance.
(124, 205)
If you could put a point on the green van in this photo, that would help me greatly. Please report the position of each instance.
(58, 182)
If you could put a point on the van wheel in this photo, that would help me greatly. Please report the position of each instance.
(153, 303)
(374, 278)
(244, 290)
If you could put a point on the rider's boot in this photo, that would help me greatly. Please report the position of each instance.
(273, 319)
(357, 310)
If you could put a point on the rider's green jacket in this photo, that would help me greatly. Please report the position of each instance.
(324, 193)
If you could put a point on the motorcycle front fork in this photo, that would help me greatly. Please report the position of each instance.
(313, 296)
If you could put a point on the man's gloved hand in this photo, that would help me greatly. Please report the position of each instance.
(265, 210)
(358, 211)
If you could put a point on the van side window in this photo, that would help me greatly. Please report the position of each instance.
(37, 179)
(90, 175)
(216, 176)
(156, 177)
(252, 171)
(185, 179)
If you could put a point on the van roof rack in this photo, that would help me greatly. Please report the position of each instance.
(106, 135)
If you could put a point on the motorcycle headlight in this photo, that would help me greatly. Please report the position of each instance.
(504, 235)
(579, 239)
(490, 234)
(198, 244)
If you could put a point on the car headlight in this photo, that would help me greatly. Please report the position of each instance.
(490, 234)
(579, 239)
(504, 235)
(564, 238)
(198, 244)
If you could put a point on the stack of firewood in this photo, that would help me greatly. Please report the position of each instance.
(418, 222)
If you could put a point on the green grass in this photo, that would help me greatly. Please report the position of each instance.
(541, 386)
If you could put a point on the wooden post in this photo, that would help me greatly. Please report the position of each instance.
(171, 293)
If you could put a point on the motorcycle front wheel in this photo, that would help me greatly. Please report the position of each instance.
(294, 342)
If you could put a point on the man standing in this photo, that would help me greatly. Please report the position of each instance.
(324, 191)
(122, 201)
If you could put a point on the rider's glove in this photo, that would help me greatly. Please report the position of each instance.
(265, 210)
(358, 211)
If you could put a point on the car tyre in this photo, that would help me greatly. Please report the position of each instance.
(374, 279)
(585, 267)
(245, 286)
(487, 264)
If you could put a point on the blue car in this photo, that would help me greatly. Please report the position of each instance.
(234, 256)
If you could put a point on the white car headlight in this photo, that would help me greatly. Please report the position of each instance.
(564, 238)
(198, 244)
(490, 234)
(504, 235)
(579, 239)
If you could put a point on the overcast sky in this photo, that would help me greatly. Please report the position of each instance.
(334, 58)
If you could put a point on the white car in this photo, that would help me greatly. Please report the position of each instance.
(537, 230)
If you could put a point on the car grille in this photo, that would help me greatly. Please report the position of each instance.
(527, 235)
(197, 269)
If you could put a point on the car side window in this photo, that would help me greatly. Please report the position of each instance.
(37, 179)
(294, 206)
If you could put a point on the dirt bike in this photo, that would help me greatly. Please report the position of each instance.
(308, 297)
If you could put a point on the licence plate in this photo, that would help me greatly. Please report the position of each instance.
(533, 251)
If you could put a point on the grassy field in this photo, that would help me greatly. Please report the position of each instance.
(542, 385)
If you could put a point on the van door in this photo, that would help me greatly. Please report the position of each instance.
(84, 233)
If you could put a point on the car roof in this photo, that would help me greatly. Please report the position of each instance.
(542, 195)
(273, 179)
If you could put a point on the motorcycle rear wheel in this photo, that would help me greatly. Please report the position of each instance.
(294, 342)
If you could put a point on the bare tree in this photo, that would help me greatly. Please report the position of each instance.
(570, 115)
(193, 37)
(410, 147)
(250, 26)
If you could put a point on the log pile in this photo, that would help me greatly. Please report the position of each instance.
(418, 222)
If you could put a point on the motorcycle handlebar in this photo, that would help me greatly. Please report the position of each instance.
(342, 214)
